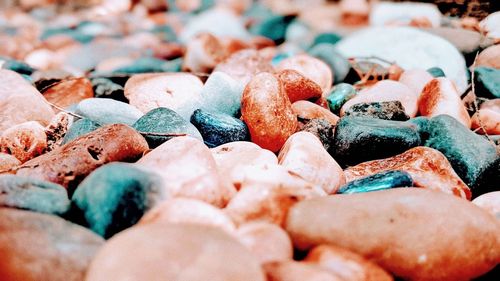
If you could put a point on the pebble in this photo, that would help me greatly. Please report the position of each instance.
(387, 110)
(40, 243)
(426, 50)
(339, 95)
(487, 82)
(490, 202)
(115, 196)
(146, 65)
(8, 162)
(386, 13)
(221, 93)
(108, 111)
(80, 128)
(273, 27)
(177, 91)
(203, 53)
(304, 155)
(165, 122)
(34, 195)
(376, 182)
(436, 72)
(219, 128)
(323, 130)
(415, 79)
(267, 242)
(338, 64)
(176, 253)
(297, 87)
(20, 102)
(68, 92)
(188, 170)
(24, 141)
(307, 110)
(16, 65)
(489, 26)
(267, 111)
(189, 211)
(440, 96)
(359, 139)
(489, 57)
(366, 222)
(297, 271)
(487, 117)
(244, 65)
(105, 88)
(310, 67)
(427, 167)
(69, 164)
(385, 90)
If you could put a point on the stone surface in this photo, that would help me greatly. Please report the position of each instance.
(487, 82)
(428, 168)
(307, 110)
(310, 67)
(337, 63)
(405, 40)
(323, 130)
(296, 271)
(489, 57)
(177, 91)
(69, 164)
(415, 79)
(489, 26)
(386, 13)
(359, 139)
(376, 182)
(440, 96)
(20, 102)
(80, 128)
(108, 111)
(267, 111)
(24, 141)
(8, 162)
(298, 87)
(340, 94)
(115, 196)
(203, 53)
(387, 110)
(490, 202)
(188, 170)
(436, 72)
(219, 128)
(304, 155)
(69, 91)
(164, 124)
(221, 93)
(273, 27)
(34, 245)
(487, 118)
(420, 231)
(34, 195)
(243, 65)
(176, 253)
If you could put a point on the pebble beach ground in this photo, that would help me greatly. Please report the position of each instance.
(278, 140)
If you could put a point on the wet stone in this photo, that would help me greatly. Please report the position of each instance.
(387, 110)
(380, 181)
(218, 128)
(80, 128)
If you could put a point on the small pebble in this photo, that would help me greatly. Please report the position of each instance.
(323, 130)
(340, 94)
(415, 79)
(310, 67)
(221, 93)
(8, 162)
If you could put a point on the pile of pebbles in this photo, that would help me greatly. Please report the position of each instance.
(248, 140)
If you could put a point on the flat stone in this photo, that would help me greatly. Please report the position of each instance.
(359, 139)
(69, 91)
(221, 93)
(108, 111)
(376, 182)
(164, 121)
(115, 197)
(487, 82)
(419, 230)
(387, 110)
(32, 194)
(80, 128)
(338, 64)
(24, 141)
(35, 244)
(219, 128)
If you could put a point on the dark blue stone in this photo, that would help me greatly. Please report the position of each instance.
(80, 128)
(380, 181)
(218, 128)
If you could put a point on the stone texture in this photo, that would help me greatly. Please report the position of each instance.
(24, 141)
(80, 128)
(307, 110)
(487, 82)
(297, 87)
(8, 162)
(379, 181)
(310, 67)
(387, 110)
(323, 130)
(222, 93)
(326, 52)
(219, 128)
(339, 95)
(203, 52)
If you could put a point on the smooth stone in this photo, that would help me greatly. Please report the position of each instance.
(311, 67)
(177, 91)
(323, 130)
(415, 79)
(297, 87)
(69, 91)
(436, 72)
(189, 211)
(244, 65)
(80, 128)
(386, 90)
(376, 182)
(108, 111)
(306, 110)
(296, 271)
(149, 65)
(203, 53)
(304, 155)
(188, 170)
(267, 242)
(222, 93)
(346, 264)
(32, 194)
(219, 128)
(8, 163)
(165, 122)
(441, 53)
(419, 230)
(339, 95)
(387, 110)
(20, 102)
(69, 164)
(440, 96)
(487, 82)
(470, 155)
(267, 111)
(326, 37)
(266, 194)
(490, 202)
(427, 167)
(338, 64)
(35, 244)
(359, 139)
(115, 197)
(274, 27)
(489, 57)
(24, 141)
(105, 88)
(175, 253)
(233, 157)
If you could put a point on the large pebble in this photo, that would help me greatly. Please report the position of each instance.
(188, 170)
(359, 139)
(68, 92)
(490, 202)
(298, 271)
(267, 111)
(115, 196)
(108, 111)
(177, 91)
(24, 141)
(304, 154)
(222, 93)
(379, 181)
(170, 252)
(310, 67)
(297, 87)
(32, 194)
(219, 128)
(307, 110)
(440, 96)
(21, 102)
(69, 164)
(387, 110)
(386, 13)
(428, 169)
(35, 245)
(243, 65)
(420, 232)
